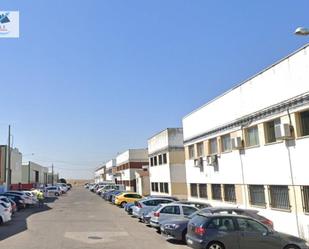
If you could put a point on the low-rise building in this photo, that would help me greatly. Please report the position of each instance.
(110, 170)
(33, 173)
(142, 181)
(100, 174)
(167, 163)
(248, 147)
(52, 178)
(127, 163)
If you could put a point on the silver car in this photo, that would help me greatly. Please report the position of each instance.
(143, 206)
(169, 211)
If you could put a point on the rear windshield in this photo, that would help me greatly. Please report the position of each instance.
(199, 220)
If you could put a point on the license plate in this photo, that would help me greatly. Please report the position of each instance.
(189, 241)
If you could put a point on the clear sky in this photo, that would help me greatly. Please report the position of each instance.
(88, 79)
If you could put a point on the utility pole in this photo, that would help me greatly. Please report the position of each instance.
(29, 165)
(52, 174)
(9, 172)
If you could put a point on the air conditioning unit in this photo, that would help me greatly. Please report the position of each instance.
(199, 162)
(283, 131)
(212, 160)
(237, 143)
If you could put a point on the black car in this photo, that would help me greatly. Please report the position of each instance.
(219, 231)
(177, 228)
(20, 203)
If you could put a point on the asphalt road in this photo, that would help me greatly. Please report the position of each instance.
(79, 219)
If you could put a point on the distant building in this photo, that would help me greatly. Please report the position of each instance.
(50, 179)
(127, 163)
(248, 147)
(16, 162)
(167, 163)
(99, 174)
(34, 173)
(142, 181)
(110, 170)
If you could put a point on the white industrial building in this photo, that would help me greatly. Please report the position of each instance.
(167, 163)
(248, 147)
(110, 170)
(127, 163)
(99, 174)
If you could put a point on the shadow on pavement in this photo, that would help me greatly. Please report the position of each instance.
(176, 242)
(18, 223)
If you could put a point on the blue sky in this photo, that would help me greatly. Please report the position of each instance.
(88, 79)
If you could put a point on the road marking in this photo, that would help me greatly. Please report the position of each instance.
(86, 237)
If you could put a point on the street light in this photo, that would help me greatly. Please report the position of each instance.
(301, 31)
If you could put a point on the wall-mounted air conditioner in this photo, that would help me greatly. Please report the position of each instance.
(212, 160)
(237, 143)
(283, 131)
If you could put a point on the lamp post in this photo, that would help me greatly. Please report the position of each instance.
(301, 31)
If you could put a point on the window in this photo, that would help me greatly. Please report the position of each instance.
(257, 195)
(200, 149)
(248, 225)
(229, 193)
(193, 188)
(151, 161)
(305, 195)
(156, 187)
(304, 123)
(270, 130)
(164, 158)
(226, 143)
(152, 186)
(160, 159)
(188, 210)
(161, 187)
(155, 162)
(166, 188)
(170, 210)
(191, 151)
(203, 190)
(252, 136)
(216, 192)
(213, 146)
(279, 197)
(221, 224)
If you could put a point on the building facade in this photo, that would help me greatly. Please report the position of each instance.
(100, 174)
(16, 162)
(127, 163)
(111, 170)
(33, 173)
(248, 146)
(142, 182)
(167, 163)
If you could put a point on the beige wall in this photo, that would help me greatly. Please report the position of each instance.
(177, 157)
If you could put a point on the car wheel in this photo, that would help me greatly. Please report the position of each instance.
(123, 204)
(291, 247)
(215, 245)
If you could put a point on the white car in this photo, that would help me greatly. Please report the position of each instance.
(52, 191)
(5, 212)
(27, 197)
(63, 187)
(5, 200)
(167, 211)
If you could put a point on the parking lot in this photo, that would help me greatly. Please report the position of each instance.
(79, 219)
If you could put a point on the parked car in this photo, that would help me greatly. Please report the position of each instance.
(177, 228)
(168, 211)
(147, 204)
(13, 205)
(63, 187)
(19, 200)
(52, 191)
(129, 206)
(109, 194)
(4, 199)
(27, 198)
(221, 231)
(199, 205)
(5, 213)
(126, 197)
(69, 186)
